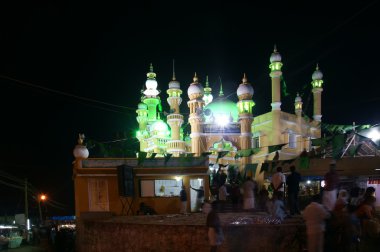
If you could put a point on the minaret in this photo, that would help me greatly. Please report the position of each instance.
(151, 98)
(275, 74)
(245, 105)
(142, 119)
(298, 111)
(207, 97)
(195, 104)
(176, 145)
(298, 105)
(317, 92)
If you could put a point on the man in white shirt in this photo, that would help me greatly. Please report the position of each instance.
(315, 215)
(278, 181)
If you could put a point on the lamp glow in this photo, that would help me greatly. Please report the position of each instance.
(222, 119)
(374, 135)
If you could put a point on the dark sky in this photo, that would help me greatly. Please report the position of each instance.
(102, 52)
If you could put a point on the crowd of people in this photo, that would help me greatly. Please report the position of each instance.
(336, 219)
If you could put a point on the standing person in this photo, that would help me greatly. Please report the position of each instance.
(222, 195)
(278, 181)
(200, 197)
(183, 199)
(278, 206)
(315, 215)
(331, 187)
(235, 195)
(215, 232)
(293, 183)
(248, 194)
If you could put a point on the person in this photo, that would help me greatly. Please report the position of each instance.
(248, 194)
(369, 192)
(331, 187)
(314, 216)
(222, 195)
(200, 197)
(278, 181)
(293, 181)
(263, 198)
(235, 194)
(215, 232)
(278, 206)
(183, 199)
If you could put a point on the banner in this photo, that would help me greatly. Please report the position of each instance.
(167, 157)
(274, 148)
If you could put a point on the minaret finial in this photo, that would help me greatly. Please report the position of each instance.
(195, 78)
(207, 81)
(151, 67)
(275, 48)
(245, 80)
(317, 68)
(81, 139)
(221, 87)
(173, 78)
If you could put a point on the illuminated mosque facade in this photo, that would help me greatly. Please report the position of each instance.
(219, 125)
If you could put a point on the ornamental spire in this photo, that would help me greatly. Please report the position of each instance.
(173, 78)
(245, 80)
(195, 78)
(221, 88)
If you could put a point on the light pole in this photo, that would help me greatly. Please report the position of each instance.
(41, 197)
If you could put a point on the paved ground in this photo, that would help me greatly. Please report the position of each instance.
(26, 248)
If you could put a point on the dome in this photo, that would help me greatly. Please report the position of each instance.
(160, 128)
(317, 75)
(80, 152)
(245, 90)
(151, 84)
(174, 85)
(222, 108)
(195, 88)
(298, 99)
(275, 57)
(142, 106)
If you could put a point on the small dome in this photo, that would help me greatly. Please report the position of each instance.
(195, 88)
(317, 75)
(160, 128)
(245, 89)
(80, 152)
(142, 106)
(275, 56)
(298, 98)
(174, 84)
(151, 84)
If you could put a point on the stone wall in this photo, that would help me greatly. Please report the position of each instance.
(116, 236)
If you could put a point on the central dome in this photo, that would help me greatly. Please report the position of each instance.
(222, 107)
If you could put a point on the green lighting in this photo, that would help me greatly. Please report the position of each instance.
(275, 66)
(317, 83)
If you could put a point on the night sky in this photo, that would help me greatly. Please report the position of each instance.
(68, 68)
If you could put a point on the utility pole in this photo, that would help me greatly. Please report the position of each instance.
(26, 211)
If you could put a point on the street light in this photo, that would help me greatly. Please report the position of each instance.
(41, 197)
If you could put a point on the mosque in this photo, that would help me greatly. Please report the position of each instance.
(226, 130)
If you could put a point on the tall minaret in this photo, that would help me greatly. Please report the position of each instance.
(176, 145)
(142, 119)
(317, 92)
(195, 104)
(298, 105)
(207, 97)
(275, 74)
(151, 98)
(245, 104)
